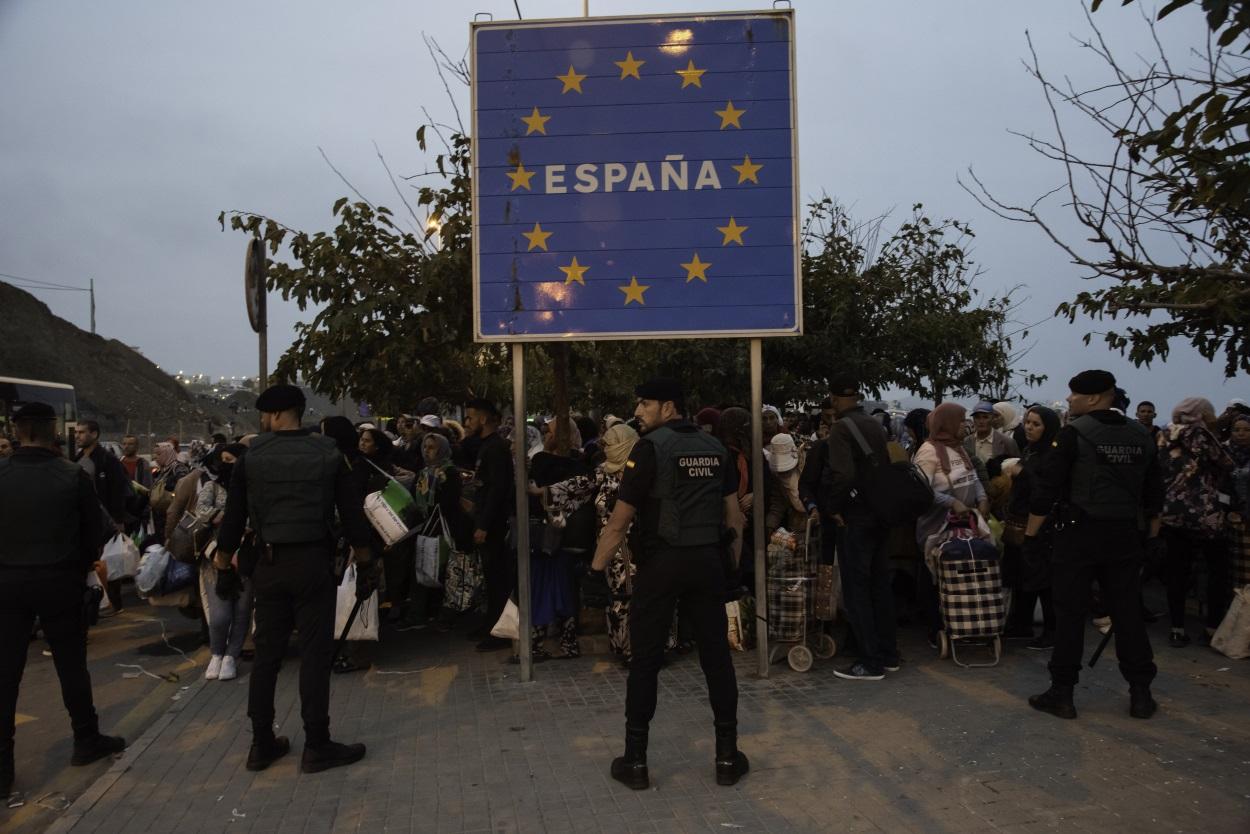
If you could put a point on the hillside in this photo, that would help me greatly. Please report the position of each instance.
(114, 384)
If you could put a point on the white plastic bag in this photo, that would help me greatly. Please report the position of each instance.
(151, 570)
(365, 626)
(121, 557)
(509, 623)
(1232, 638)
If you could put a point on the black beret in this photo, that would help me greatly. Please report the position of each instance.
(661, 388)
(844, 385)
(35, 411)
(1092, 383)
(280, 398)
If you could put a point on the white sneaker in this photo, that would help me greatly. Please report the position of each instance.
(228, 672)
(214, 668)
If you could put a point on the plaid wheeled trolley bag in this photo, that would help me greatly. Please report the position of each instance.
(970, 596)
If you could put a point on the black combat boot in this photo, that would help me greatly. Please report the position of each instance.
(6, 768)
(94, 747)
(731, 763)
(1141, 703)
(631, 769)
(266, 751)
(1057, 701)
(328, 754)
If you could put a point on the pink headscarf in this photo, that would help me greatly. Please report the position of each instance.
(945, 423)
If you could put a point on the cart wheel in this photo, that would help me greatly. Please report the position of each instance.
(800, 658)
(998, 648)
(775, 652)
(944, 645)
(826, 647)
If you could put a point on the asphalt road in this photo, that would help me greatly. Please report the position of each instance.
(124, 652)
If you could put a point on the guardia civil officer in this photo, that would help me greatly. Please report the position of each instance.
(1103, 484)
(50, 520)
(286, 488)
(680, 493)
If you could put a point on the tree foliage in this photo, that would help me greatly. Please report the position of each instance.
(1167, 212)
(393, 320)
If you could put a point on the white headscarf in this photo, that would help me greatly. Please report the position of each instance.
(1007, 413)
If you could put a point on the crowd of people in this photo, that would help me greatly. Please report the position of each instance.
(986, 461)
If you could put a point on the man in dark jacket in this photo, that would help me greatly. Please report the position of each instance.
(112, 487)
(865, 566)
(51, 522)
(492, 505)
(811, 492)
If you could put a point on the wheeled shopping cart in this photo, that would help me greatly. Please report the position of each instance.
(970, 596)
(792, 626)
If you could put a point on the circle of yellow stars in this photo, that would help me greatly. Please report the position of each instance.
(630, 67)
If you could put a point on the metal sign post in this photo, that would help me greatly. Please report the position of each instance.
(758, 545)
(519, 459)
(635, 178)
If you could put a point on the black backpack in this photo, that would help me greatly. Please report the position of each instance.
(897, 493)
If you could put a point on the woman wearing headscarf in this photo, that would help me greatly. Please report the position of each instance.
(1238, 448)
(734, 431)
(1029, 583)
(1194, 465)
(618, 441)
(170, 470)
(226, 595)
(378, 452)
(956, 489)
(438, 490)
(564, 487)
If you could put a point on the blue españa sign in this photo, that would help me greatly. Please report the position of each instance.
(635, 177)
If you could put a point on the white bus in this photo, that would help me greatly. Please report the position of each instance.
(16, 392)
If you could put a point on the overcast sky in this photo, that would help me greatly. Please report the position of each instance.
(128, 126)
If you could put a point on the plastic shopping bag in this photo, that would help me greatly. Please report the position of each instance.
(508, 626)
(121, 556)
(1232, 638)
(365, 626)
(152, 570)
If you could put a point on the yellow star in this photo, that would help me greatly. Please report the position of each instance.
(629, 66)
(537, 238)
(696, 269)
(747, 171)
(520, 177)
(633, 291)
(690, 75)
(729, 116)
(571, 80)
(535, 123)
(573, 272)
(732, 232)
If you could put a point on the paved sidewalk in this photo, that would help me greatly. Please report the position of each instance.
(456, 744)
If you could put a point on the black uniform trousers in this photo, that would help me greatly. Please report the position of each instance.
(692, 581)
(55, 596)
(1109, 551)
(294, 591)
(498, 571)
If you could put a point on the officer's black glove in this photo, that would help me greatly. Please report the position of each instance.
(595, 593)
(229, 584)
(1156, 552)
(1035, 563)
(366, 579)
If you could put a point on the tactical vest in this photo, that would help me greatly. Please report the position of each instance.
(39, 512)
(1109, 474)
(689, 472)
(290, 486)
